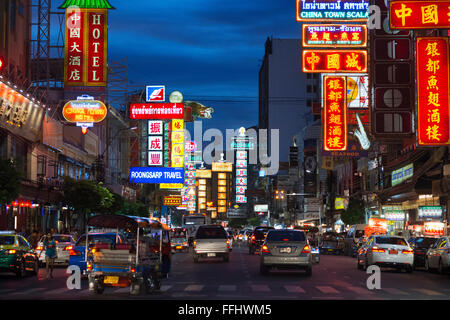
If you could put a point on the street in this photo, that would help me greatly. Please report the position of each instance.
(335, 277)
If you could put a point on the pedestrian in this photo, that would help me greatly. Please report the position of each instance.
(50, 254)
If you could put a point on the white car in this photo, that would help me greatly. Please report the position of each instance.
(64, 243)
(438, 256)
(386, 251)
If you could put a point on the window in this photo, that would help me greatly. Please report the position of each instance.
(309, 103)
(63, 238)
(359, 233)
(424, 242)
(309, 88)
(286, 235)
(391, 240)
(23, 242)
(7, 240)
(211, 233)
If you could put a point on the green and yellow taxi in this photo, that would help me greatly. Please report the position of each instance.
(17, 255)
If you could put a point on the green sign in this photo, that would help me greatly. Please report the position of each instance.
(402, 174)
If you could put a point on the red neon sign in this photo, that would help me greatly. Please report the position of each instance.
(318, 61)
(432, 67)
(334, 35)
(85, 47)
(419, 14)
(335, 113)
(157, 111)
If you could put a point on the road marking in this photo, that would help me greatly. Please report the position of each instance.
(122, 290)
(360, 290)
(394, 291)
(194, 287)
(326, 289)
(165, 288)
(328, 298)
(260, 288)
(29, 291)
(227, 288)
(294, 289)
(428, 292)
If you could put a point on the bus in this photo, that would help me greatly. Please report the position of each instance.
(191, 222)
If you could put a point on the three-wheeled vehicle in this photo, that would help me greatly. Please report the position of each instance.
(179, 239)
(139, 264)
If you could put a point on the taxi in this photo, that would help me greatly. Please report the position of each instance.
(17, 255)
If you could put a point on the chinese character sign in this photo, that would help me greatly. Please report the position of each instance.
(318, 61)
(432, 65)
(177, 140)
(334, 35)
(334, 113)
(419, 14)
(85, 47)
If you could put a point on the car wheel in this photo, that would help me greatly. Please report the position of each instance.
(309, 271)
(35, 269)
(365, 265)
(427, 265)
(359, 265)
(135, 287)
(264, 270)
(195, 258)
(409, 269)
(226, 258)
(20, 273)
(440, 267)
(96, 287)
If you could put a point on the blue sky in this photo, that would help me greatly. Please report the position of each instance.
(209, 50)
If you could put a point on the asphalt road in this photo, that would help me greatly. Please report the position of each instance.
(334, 278)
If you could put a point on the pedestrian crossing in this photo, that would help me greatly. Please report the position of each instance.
(241, 291)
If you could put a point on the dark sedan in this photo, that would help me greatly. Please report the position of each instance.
(420, 245)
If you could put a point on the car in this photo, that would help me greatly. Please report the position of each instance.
(315, 251)
(230, 237)
(331, 243)
(386, 251)
(64, 243)
(179, 239)
(354, 233)
(257, 238)
(17, 255)
(78, 252)
(211, 241)
(420, 245)
(438, 256)
(286, 249)
(360, 245)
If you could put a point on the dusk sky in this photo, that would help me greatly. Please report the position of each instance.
(211, 51)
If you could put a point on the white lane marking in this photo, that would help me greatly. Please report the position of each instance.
(165, 288)
(394, 291)
(294, 289)
(360, 290)
(122, 290)
(327, 289)
(428, 292)
(194, 288)
(227, 288)
(260, 288)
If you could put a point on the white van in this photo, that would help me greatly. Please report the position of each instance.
(355, 232)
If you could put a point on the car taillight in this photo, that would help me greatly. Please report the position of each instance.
(306, 249)
(133, 270)
(376, 249)
(12, 251)
(68, 248)
(195, 244)
(89, 267)
(407, 251)
(74, 252)
(39, 248)
(253, 237)
(265, 249)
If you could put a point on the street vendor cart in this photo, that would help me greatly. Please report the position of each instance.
(140, 263)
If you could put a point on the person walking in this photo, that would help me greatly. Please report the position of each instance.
(50, 254)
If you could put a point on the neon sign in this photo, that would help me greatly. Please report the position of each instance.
(419, 15)
(432, 65)
(335, 113)
(157, 111)
(334, 35)
(320, 10)
(85, 111)
(320, 61)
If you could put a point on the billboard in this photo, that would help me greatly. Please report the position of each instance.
(432, 65)
(402, 174)
(157, 111)
(327, 10)
(156, 175)
(85, 111)
(323, 61)
(334, 120)
(155, 93)
(334, 35)
(419, 14)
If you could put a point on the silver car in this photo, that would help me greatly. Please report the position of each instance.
(286, 249)
(438, 256)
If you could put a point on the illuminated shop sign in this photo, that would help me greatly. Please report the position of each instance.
(172, 200)
(157, 111)
(334, 113)
(177, 153)
(432, 65)
(326, 10)
(222, 167)
(85, 111)
(323, 61)
(434, 228)
(430, 212)
(402, 174)
(419, 14)
(357, 93)
(156, 175)
(334, 35)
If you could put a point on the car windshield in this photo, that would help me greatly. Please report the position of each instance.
(391, 240)
(261, 232)
(285, 235)
(7, 241)
(359, 233)
(97, 238)
(424, 242)
(62, 238)
(211, 233)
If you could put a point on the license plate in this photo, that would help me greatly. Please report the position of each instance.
(393, 251)
(179, 247)
(111, 280)
(285, 250)
(211, 254)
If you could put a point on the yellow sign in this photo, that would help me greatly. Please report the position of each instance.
(171, 186)
(177, 137)
(222, 209)
(339, 203)
(177, 124)
(221, 195)
(222, 166)
(204, 173)
(177, 161)
(177, 149)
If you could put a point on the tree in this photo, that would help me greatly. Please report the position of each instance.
(10, 181)
(237, 223)
(255, 221)
(354, 213)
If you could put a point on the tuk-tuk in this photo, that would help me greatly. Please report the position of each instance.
(179, 239)
(140, 263)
